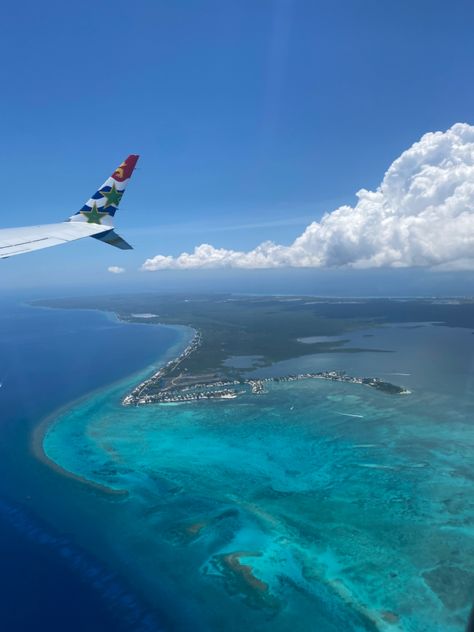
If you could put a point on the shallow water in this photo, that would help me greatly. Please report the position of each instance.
(315, 506)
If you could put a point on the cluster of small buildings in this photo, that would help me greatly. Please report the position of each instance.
(222, 388)
(139, 396)
(213, 384)
(256, 386)
(168, 397)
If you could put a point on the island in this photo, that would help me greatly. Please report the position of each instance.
(261, 331)
(171, 385)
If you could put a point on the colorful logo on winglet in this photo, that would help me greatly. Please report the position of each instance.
(124, 171)
(105, 201)
(111, 195)
(94, 216)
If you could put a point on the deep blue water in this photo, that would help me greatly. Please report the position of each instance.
(47, 359)
(320, 488)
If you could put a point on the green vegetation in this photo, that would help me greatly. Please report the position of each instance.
(230, 326)
(268, 327)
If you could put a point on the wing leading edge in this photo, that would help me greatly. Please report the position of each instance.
(95, 219)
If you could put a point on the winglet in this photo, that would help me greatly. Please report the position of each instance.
(111, 237)
(101, 207)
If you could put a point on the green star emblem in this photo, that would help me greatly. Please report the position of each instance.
(94, 216)
(113, 196)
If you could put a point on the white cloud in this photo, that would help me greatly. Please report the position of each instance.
(422, 214)
(116, 269)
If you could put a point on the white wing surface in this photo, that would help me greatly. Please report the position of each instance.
(16, 241)
(95, 219)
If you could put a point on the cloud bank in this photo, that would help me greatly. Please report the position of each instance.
(422, 214)
(116, 269)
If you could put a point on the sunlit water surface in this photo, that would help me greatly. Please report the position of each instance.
(315, 506)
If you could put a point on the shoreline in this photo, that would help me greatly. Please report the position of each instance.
(39, 432)
(341, 588)
(168, 363)
(177, 393)
(172, 364)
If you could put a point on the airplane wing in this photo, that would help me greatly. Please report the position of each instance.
(95, 219)
(16, 241)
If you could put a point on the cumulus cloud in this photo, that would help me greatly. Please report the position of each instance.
(116, 269)
(422, 214)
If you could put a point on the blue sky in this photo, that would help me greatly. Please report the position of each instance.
(251, 119)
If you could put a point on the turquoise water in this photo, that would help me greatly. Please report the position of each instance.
(315, 506)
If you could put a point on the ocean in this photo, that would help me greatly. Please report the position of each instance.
(314, 506)
(48, 577)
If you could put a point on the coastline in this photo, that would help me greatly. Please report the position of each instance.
(172, 358)
(345, 590)
(39, 432)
